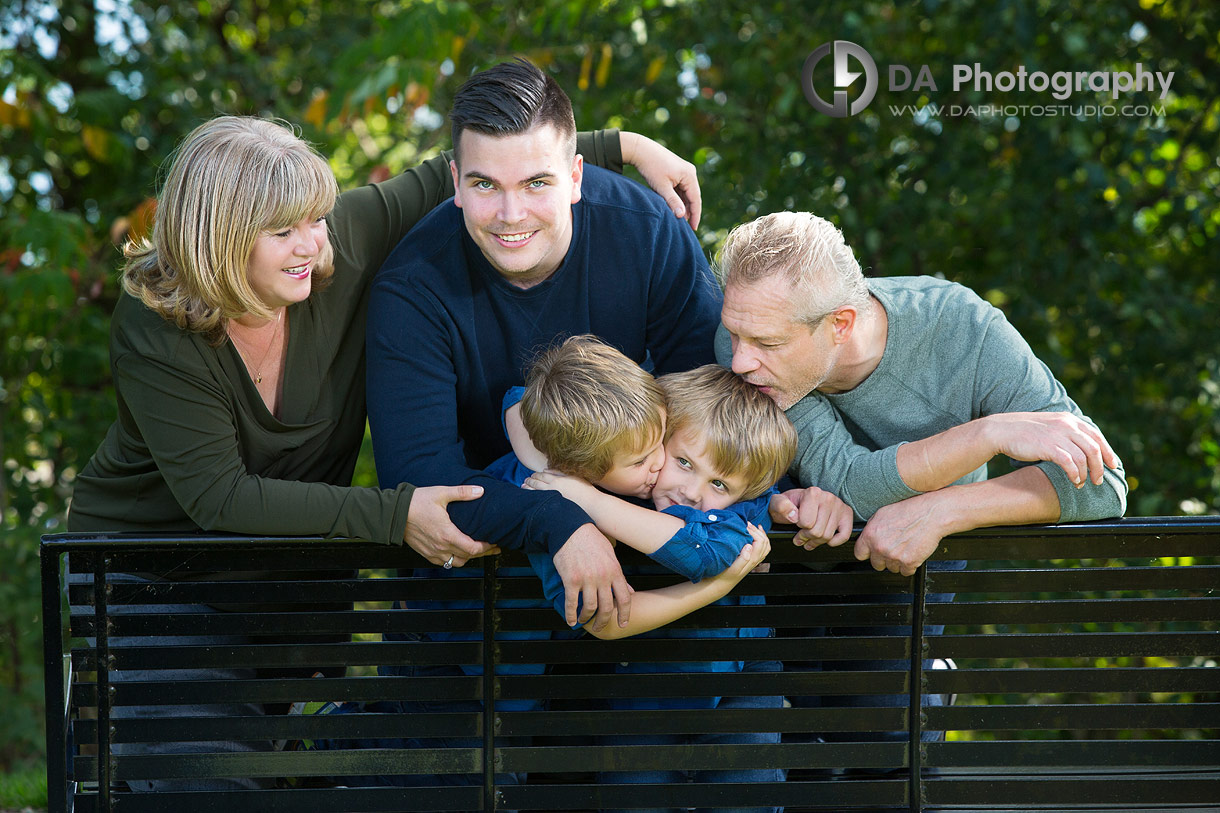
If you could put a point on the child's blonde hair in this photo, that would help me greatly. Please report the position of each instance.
(743, 431)
(585, 402)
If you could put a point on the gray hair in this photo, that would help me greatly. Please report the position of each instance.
(806, 250)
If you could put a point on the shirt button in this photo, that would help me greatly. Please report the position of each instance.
(712, 517)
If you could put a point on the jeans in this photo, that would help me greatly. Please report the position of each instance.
(120, 713)
(736, 738)
(865, 701)
(412, 707)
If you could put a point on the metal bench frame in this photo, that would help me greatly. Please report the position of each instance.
(1088, 678)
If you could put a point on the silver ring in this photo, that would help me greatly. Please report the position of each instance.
(449, 563)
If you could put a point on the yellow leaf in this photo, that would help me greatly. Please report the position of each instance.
(603, 67)
(455, 50)
(654, 70)
(142, 219)
(13, 115)
(586, 65)
(96, 140)
(315, 114)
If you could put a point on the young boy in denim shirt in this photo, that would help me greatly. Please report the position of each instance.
(725, 445)
(591, 413)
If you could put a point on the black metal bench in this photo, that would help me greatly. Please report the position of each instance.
(1087, 679)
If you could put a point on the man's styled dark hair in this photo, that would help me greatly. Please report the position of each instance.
(508, 99)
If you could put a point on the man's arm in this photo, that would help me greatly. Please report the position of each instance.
(411, 381)
(901, 536)
(1022, 411)
(1061, 438)
(1078, 476)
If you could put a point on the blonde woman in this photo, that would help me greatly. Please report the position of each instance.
(237, 353)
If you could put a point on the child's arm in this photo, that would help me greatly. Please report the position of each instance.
(637, 527)
(519, 439)
(822, 517)
(656, 608)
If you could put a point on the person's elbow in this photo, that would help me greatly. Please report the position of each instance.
(610, 632)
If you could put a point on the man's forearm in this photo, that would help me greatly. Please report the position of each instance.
(1022, 497)
(940, 460)
(1066, 440)
(901, 536)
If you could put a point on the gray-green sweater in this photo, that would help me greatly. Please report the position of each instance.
(950, 357)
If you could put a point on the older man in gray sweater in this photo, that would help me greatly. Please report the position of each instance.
(901, 390)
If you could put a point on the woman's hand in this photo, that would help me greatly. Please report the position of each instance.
(433, 535)
(672, 178)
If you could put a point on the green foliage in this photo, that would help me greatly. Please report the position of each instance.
(1097, 235)
(1078, 628)
(24, 787)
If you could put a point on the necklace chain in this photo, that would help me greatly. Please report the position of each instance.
(258, 372)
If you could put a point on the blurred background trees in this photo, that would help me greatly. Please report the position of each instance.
(1096, 234)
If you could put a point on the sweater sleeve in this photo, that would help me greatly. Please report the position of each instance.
(683, 302)
(195, 447)
(1010, 378)
(413, 414)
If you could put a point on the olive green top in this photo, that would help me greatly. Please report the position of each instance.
(195, 447)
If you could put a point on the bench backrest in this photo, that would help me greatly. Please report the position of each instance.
(1085, 676)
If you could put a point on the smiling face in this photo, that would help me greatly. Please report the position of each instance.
(283, 260)
(516, 194)
(689, 477)
(634, 473)
(786, 359)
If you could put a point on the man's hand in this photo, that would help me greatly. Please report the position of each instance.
(433, 535)
(1073, 444)
(591, 575)
(670, 177)
(822, 517)
(901, 536)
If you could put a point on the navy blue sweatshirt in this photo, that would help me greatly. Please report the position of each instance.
(447, 336)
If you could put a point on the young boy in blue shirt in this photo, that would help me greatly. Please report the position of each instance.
(592, 414)
(725, 445)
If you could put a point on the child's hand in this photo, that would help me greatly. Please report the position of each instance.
(751, 556)
(821, 516)
(761, 543)
(574, 488)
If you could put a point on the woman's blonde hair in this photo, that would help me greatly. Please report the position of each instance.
(231, 179)
(743, 431)
(585, 403)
